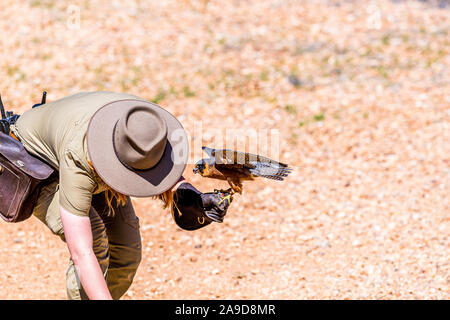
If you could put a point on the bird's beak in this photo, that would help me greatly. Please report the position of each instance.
(195, 170)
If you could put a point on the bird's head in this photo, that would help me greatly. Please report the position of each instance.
(201, 167)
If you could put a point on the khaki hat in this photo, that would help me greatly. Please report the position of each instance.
(136, 147)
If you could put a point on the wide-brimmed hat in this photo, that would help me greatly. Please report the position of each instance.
(136, 147)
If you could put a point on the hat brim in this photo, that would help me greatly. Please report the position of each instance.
(135, 183)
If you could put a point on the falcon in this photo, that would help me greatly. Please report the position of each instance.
(235, 167)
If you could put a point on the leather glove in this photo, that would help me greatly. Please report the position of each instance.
(193, 209)
(215, 204)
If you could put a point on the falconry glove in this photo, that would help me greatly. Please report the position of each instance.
(215, 204)
(193, 209)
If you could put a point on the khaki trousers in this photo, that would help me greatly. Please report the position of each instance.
(116, 240)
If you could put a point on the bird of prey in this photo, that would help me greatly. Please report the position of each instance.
(235, 167)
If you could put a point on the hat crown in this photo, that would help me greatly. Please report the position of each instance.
(140, 138)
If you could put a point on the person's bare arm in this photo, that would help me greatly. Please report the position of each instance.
(78, 233)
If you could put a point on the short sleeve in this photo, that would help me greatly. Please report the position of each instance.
(75, 185)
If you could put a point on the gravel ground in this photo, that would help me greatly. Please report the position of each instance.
(358, 91)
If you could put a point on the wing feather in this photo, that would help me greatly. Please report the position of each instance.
(248, 163)
(270, 170)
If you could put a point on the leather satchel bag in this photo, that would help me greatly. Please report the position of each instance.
(21, 176)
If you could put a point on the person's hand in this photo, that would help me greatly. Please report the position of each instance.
(193, 209)
(215, 204)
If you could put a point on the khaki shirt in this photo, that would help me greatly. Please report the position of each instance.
(56, 133)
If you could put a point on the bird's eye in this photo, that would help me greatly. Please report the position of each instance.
(198, 168)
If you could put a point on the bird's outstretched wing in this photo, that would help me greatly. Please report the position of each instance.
(209, 151)
(249, 163)
(270, 170)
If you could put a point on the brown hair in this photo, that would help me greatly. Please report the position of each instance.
(121, 199)
(166, 198)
